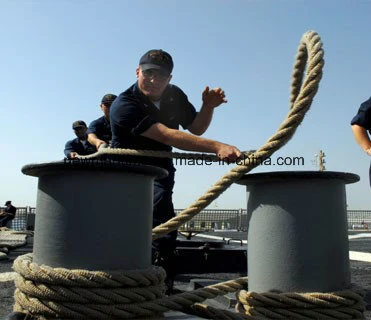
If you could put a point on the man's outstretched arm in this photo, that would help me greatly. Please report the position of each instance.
(189, 142)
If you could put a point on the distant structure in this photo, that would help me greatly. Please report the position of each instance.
(319, 160)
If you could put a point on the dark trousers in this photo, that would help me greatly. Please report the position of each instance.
(4, 219)
(163, 209)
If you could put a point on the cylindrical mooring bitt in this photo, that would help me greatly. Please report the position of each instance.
(297, 237)
(94, 215)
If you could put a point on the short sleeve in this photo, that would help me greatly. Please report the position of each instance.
(68, 148)
(189, 115)
(363, 117)
(93, 127)
(129, 116)
(186, 110)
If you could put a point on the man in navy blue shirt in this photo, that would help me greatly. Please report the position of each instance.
(99, 132)
(147, 116)
(361, 123)
(79, 145)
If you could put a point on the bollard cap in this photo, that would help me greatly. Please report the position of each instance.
(285, 176)
(57, 167)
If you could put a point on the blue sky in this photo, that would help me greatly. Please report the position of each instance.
(58, 59)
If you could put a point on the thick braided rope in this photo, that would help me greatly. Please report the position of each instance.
(54, 292)
(346, 304)
(310, 54)
(158, 154)
(49, 293)
(80, 294)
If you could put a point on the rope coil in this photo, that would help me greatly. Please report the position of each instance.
(65, 294)
(80, 294)
(346, 304)
(59, 292)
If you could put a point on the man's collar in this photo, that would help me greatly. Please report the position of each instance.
(138, 92)
(84, 139)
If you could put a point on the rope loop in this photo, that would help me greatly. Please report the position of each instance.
(49, 293)
(346, 304)
(83, 294)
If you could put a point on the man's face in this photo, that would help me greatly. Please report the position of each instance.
(152, 82)
(80, 132)
(105, 108)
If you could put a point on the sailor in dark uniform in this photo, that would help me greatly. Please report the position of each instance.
(361, 127)
(99, 132)
(79, 145)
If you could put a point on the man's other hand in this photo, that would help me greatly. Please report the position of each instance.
(213, 98)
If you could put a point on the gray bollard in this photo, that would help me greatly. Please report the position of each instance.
(94, 215)
(297, 237)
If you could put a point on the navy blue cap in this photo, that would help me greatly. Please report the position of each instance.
(108, 98)
(156, 59)
(78, 124)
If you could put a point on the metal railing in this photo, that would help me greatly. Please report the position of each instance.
(359, 219)
(216, 219)
(207, 220)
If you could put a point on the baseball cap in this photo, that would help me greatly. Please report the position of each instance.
(156, 59)
(78, 124)
(108, 98)
(7, 203)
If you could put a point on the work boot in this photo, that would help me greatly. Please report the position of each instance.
(169, 283)
(165, 262)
